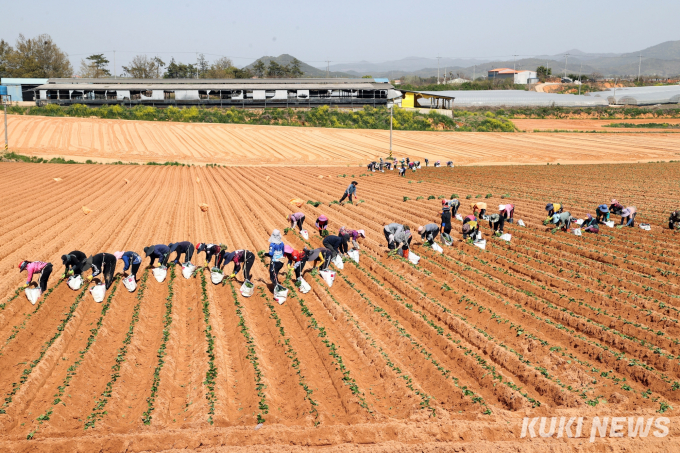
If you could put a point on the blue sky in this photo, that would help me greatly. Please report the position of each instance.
(344, 31)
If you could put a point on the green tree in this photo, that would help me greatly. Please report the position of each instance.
(5, 50)
(159, 64)
(202, 66)
(141, 67)
(222, 68)
(259, 69)
(367, 77)
(294, 69)
(275, 70)
(542, 72)
(179, 70)
(98, 65)
(38, 57)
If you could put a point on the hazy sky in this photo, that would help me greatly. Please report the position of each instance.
(341, 31)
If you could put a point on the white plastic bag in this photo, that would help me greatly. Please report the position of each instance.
(610, 224)
(187, 270)
(481, 244)
(479, 235)
(130, 283)
(577, 232)
(579, 221)
(32, 294)
(160, 273)
(459, 217)
(247, 289)
(304, 286)
(437, 248)
(305, 234)
(520, 222)
(328, 277)
(280, 294)
(412, 257)
(506, 237)
(354, 254)
(98, 292)
(645, 226)
(75, 282)
(337, 261)
(216, 277)
(448, 240)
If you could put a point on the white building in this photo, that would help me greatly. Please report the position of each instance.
(519, 77)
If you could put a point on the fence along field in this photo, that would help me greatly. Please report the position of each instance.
(465, 343)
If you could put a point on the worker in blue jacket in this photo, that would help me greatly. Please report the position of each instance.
(350, 191)
(186, 248)
(276, 249)
(130, 259)
(159, 252)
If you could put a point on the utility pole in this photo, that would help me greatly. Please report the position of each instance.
(391, 109)
(114, 65)
(514, 59)
(6, 99)
(565, 64)
(438, 58)
(328, 68)
(639, 66)
(579, 79)
(197, 65)
(474, 73)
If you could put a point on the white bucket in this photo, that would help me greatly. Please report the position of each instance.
(216, 277)
(521, 223)
(280, 294)
(188, 270)
(304, 286)
(354, 254)
(645, 226)
(412, 257)
(75, 282)
(579, 221)
(337, 261)
(448, 240)
(247, 291)
(305, 234)
(610, 224)
(328, 276)
(32, 294)
(98, 292)
(481, 244)
(459, 217)
(437, 248)
(130, 283)
(506, 237)
(160, 273)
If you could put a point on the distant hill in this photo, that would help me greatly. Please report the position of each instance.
(308, 70)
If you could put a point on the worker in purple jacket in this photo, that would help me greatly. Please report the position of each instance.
(297, 219)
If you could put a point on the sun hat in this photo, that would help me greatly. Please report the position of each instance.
(420, 229)
(149, 250)
(323, 218)
(287, 249)
(362, 233)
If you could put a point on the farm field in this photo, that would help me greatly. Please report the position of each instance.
(530, 125)
(450, 353)
(142, 141)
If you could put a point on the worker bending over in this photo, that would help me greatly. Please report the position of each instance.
(590, 224)
(185, 247)
(628, 216)
(350, 191)
(296, 259)
(602, 213)
(130, 260)
(398, 235)
(674, 220)
(36, 267)
(238, 257)
(103, 263)
(478, 206)
(159, 252)
(276, 248)
(496, 222)
(615, 207)
(322, 225)
(562, 220)
(508, 212)
(428, 232)
(210, 251)
(470, 230)
(321, 254)
(553, 208)
(337, 244)
(296, 219)
(73, 262)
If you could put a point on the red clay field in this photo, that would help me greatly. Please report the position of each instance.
(448, 355)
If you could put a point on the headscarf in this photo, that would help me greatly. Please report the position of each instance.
(118, 255)
(275, 238)
(361, 233)
(466, 228)
(615, 201)
(589, 216)
(420, 229)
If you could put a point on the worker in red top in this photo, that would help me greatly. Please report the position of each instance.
(36, 267)
(296, 258)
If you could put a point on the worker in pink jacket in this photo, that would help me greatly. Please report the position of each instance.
(507, 211)
(36, 267)
(297, 219)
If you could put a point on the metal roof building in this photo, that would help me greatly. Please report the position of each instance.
(21, 89)
(256, 93)
(511, 98)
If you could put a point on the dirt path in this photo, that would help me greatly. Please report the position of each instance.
(583, 125)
